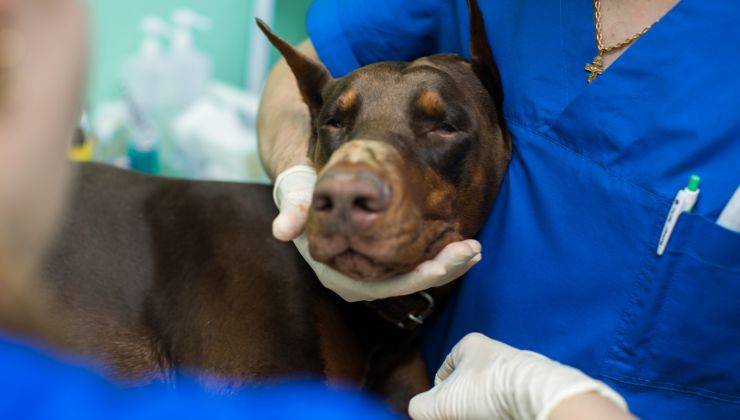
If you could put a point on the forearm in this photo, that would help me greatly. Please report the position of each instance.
(43, 49)
(283, 124)
(588, 406)
(39, 108)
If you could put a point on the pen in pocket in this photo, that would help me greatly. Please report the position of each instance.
(683, 202)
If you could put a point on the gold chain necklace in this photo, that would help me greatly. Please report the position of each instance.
(596, 67)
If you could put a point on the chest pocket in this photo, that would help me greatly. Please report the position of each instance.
(682, 329)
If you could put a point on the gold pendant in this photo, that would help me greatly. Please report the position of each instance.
(595, 68)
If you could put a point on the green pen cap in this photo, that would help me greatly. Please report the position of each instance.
(693, 183)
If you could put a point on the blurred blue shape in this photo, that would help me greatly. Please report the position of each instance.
(35, 386)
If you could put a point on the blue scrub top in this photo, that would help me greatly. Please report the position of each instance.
(35, 386)
(570, 267)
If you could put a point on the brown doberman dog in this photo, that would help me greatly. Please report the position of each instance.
(154, 276)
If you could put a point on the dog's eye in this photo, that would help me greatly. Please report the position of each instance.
(334, 123)
(445, 128)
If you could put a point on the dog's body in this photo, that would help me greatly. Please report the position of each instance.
(182, 275)
(154, 276)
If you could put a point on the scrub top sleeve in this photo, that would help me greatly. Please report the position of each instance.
(349, 34)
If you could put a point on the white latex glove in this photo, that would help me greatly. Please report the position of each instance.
(293, 192)
(483, 378)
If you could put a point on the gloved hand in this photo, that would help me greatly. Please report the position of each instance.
(484, 378)
(292, 194)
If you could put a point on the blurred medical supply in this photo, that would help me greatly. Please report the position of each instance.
(110, 127)
(145, 72)
(83, 142)
(189, 69)
(144, 94)
(218, 133)
(730, 216)
(174, 118)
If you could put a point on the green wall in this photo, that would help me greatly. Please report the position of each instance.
(116, 35)
(290, 22)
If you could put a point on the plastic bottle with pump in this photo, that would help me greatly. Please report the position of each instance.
(189, 68)
(144, 93)
(189, 72)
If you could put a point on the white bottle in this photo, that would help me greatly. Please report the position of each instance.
(144, 93)
(145, 72)
(189, 68)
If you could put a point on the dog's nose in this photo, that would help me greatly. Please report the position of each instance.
(350, 198)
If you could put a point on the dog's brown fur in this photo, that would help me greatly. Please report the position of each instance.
(153, 276)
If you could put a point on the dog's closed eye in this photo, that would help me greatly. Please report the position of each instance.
(335, 123)
(445, 129)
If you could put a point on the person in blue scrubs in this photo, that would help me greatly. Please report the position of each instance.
(570, 269)
(42, 60)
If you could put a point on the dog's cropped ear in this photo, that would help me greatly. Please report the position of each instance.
(312, 76)
(481, 57)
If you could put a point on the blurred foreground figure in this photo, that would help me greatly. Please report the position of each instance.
(42, 62)
(42, 68)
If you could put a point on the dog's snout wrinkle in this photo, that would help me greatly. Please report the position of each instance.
(371, 153)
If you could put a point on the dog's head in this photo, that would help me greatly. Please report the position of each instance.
(409, 155)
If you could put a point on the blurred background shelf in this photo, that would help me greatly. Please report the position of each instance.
(115, 25)
(239, 58)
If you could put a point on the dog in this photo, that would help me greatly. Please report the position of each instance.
(153, 276)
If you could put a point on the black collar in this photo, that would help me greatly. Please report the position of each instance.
(406, 312)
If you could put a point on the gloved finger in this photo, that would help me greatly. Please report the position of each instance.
(444, 371)
(349, 289)
(458, 271)
(453, 256)
(446, 400)
(431, 269)
(286, 226)
(427, 274)
(291, 221)
(423, 406)
(452, 262)
(432, 273)
(422, 283)
(451, 362)
(469, 345)
(424, 276)
(458, 253)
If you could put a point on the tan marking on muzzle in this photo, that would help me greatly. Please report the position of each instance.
(372, 153)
